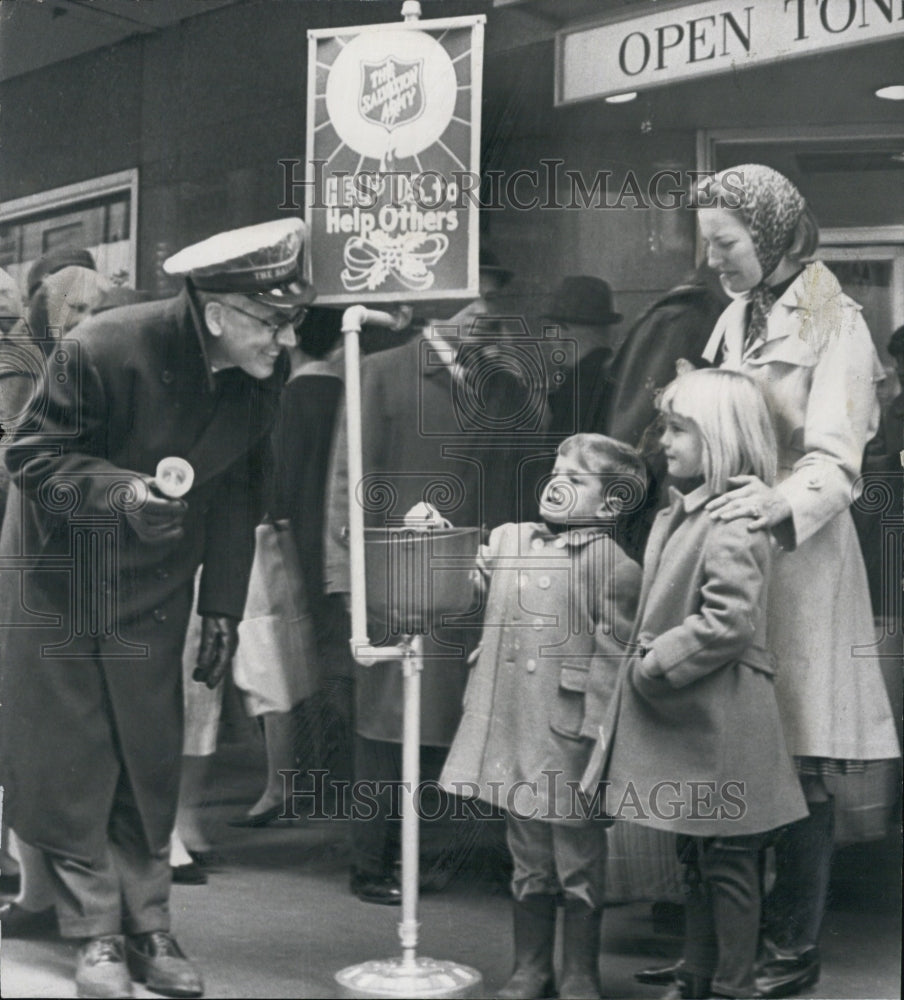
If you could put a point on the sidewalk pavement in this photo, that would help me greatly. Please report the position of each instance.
(277, 919)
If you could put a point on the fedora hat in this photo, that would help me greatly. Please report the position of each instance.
(582, 299)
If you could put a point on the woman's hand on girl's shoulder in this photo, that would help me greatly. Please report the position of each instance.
(750, 497)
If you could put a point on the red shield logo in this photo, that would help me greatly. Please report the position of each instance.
(392, 92)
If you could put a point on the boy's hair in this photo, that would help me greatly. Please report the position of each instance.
(621, 470)
(730, 414)
(896, 344)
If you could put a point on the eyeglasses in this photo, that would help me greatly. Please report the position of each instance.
(293, 319)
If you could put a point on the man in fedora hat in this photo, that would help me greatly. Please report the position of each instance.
(583, 311)
(91, 651)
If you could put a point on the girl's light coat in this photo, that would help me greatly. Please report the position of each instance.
(700, 750)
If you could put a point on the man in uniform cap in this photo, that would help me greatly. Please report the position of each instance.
(91, 651)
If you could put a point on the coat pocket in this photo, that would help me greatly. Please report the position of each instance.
(567, 717)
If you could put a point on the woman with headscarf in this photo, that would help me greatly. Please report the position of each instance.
(806, 345)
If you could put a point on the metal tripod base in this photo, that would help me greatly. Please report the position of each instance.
(409, 979)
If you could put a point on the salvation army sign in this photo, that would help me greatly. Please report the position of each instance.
(393, 145)
(392, 92)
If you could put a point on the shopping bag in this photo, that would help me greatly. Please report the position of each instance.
(275, 665)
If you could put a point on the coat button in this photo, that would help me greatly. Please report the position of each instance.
(543, 583)
(168, 377)
(159, 616)
(531, 666)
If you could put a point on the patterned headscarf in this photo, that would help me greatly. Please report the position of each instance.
(771, 207)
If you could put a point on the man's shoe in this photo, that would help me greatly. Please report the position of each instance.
(156, 960)
(17, 922)
(382, 889)
(660, 975)
(101, 970)
(784, 973)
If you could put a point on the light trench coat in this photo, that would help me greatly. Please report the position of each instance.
(818, 370)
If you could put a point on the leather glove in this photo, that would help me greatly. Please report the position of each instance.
(219, 639)
(156, 519)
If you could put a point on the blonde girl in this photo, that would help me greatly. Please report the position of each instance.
(696, 745)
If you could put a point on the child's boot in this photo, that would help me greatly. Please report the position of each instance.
(580, 961)
(535, 935)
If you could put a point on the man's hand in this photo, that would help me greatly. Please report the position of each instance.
(219, 639)
(155, 519)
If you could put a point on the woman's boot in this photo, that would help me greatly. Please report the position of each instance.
(535, 935)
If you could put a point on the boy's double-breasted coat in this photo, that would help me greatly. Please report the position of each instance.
(94, 618)
(700, 750)
(425, 437)
(559, 614)
(817, 369)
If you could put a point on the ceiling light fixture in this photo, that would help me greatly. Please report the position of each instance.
(629, 95)
(893, 93)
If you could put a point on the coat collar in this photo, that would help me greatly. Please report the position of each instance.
(692, 501)
(195, 319)
(809, 292)
(573, 537)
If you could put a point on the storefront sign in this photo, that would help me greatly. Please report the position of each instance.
(393, 152)
(681, 41)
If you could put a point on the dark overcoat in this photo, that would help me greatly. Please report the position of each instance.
(425, 437)
(700, 750)
(93, 618)
(676, 326)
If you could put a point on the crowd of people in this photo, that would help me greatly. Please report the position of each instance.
(667, 595)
